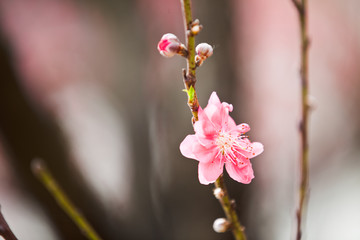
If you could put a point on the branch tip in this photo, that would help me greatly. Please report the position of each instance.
(298, 5)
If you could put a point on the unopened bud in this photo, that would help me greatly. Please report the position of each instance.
(204, 50)
(218, 193)
(195, 27)
(221, 225)
(170, 45)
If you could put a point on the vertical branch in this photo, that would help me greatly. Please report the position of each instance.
(301, 7)
(43, 174)
(227, 204)
(190, 38)
(5, 230)
(189, 73)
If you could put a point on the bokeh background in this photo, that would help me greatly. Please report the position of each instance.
(83, 87)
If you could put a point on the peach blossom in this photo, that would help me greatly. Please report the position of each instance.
(218, 141)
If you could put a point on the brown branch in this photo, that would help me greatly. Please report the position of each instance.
(303, 129)
(228, 206)
(189, 72)
(298, 5)
(5, 230)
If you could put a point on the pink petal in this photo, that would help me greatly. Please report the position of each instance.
(209, 172)
(218, 113)
(162, 45)
(251, 149)
(214, 99)
(207, 142)
(190, 147)
(240, 173)
(204, 127)
(258, 148)
(186, 146)
(228, 107)
(228, 123)
(243, 128)
(212, 111)
(205, 154)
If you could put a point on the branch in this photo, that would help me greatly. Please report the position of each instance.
(304, 157)
(228, 206)
(189, 73)
(5, 230)
(42, 173)
(298, 5)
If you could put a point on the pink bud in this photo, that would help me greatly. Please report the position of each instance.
(169, 45)
(204, 50)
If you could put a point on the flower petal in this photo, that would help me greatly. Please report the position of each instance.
(218, 113)
(190, 147)
(186, 146)
(228, 124)
(250, 149)
(228, 107)
(240, 173)
(214, 99)
(205, 154)
(243, 128)
(204, 127)
(258, 148)
(209, 172)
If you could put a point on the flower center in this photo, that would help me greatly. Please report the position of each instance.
(230, 147)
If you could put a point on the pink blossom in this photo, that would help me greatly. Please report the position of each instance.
(169, 45)
(218, 141)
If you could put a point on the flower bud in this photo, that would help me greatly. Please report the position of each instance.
(218, 193)
(195, 27)
(221, 225)
(170, 45)
(204, 50)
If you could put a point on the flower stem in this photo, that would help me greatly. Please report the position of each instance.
(5, 230)
(189, 81)
(228, 206)
(189, 73)
(301, 6)
(43, 174)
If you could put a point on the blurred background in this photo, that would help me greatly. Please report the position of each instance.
(84, 88)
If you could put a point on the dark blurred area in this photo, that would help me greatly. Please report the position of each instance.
(84, 88)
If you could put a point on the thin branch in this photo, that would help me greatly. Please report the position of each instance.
(5, 230)
(45, 177)
(228, 206)
(304, 157)
(189, 73)
(298, 5)
(189, 81)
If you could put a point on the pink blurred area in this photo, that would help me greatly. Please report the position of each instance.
(269, 54)
(92, 69)
(56, 44)
(65, 57)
